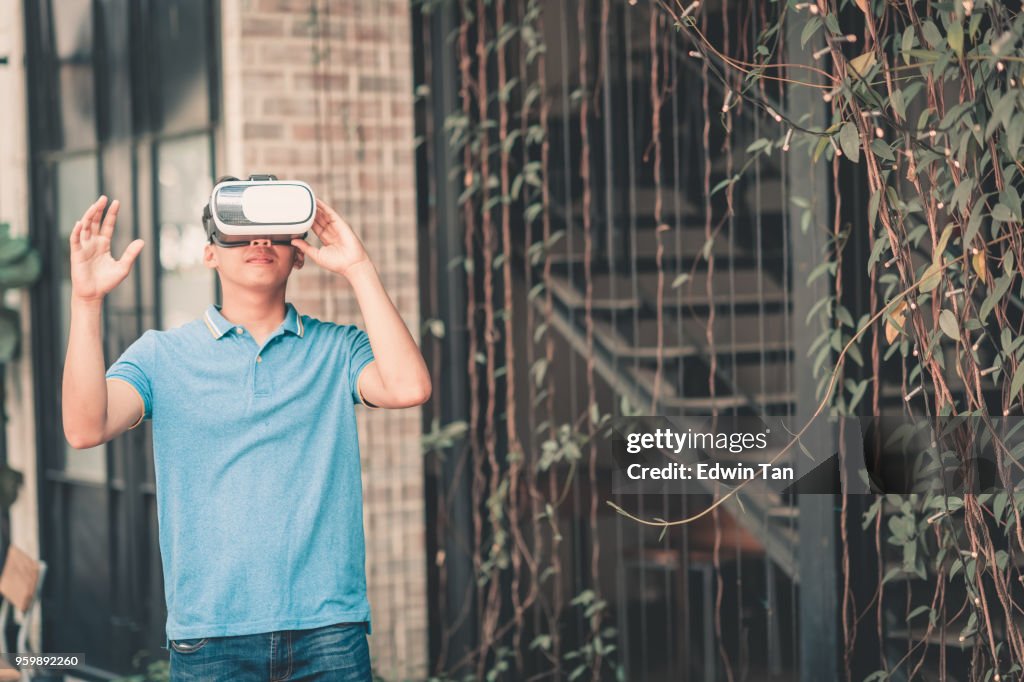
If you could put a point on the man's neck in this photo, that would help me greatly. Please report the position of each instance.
(258, 312)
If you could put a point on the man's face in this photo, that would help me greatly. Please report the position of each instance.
(257, 265)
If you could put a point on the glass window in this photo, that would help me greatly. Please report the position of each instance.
(185, 181)
(77, 187)
(73, 45)
(182, 27)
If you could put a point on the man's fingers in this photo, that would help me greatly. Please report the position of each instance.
(310, 252)
(76, 235)
(333, 218)
(108, 223)
(87, 216)
(94, 224)
(132, 252)
(318, 230)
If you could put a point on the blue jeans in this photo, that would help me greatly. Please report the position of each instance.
(334, 653)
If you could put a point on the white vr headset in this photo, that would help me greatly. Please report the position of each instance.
(262, 207)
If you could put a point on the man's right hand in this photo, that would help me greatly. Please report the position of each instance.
(94, 272)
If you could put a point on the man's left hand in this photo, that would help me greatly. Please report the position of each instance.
(342, 252)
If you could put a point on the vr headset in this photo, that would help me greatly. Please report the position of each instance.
(262, 207)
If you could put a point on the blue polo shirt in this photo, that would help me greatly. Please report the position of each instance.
(258, 488)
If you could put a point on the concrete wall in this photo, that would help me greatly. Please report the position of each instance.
(331, 103)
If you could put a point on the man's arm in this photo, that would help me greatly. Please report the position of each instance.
(398, 376)
(93, 409)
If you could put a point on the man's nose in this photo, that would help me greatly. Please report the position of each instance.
(260, 242)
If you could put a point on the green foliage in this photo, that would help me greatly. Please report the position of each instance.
(20, 266)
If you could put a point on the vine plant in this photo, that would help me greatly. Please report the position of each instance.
(924, 103)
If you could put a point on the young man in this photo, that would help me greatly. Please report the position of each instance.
(255, 448)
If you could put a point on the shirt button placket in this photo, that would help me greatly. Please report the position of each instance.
(261, 379)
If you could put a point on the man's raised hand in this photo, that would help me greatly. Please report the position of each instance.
(342, 251)
(94, 272)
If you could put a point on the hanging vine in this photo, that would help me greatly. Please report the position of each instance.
(923, 107)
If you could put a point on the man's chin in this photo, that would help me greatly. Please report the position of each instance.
(261, 281)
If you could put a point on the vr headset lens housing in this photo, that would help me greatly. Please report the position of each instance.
(241, 211)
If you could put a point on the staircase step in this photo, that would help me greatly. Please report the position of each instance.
(670, 398)
(603, 297)
(687, 243)
(640, 204)
(742, 286)
(743, 333)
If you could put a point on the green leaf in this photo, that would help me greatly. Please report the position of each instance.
(943, 240)
(22, 273)
(832, 24)
(1000, 289)
(880, 148)
(899, 105)
(877, 247)
(821, 146)
(931, 33)
(955, 38)
(849, 140)
(10, 334)
(724, 183)
(974, 223)
(812, 25)
(680, 279)
(1014, 134)
(918, 611)
(1018, 380)
(947, 321)
(1002, 213)
(1001, 113)
(13, 249)
(758, 144)
(961, 194)
(931, 277)
(861, 64)
(907, 44)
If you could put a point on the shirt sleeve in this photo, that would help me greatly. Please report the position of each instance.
(136, 366)
(359, 354)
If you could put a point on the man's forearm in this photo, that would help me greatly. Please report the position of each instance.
(84, 390)
(400, 363)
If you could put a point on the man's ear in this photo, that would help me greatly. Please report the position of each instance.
(210, 257)
(299, 259)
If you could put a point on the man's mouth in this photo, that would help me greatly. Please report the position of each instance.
(260, 260)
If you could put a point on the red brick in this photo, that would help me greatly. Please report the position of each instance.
(291, 156)
(320, 81)
(379, 84)
(291, 106)
(326, 27)
(262, 27)
(262, 80)
(401, 109)
(263, 131)
(288, 54)
(285, 6)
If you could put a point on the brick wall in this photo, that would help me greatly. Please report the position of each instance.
(331, 103)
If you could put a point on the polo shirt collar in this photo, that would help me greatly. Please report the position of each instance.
(220, 325)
